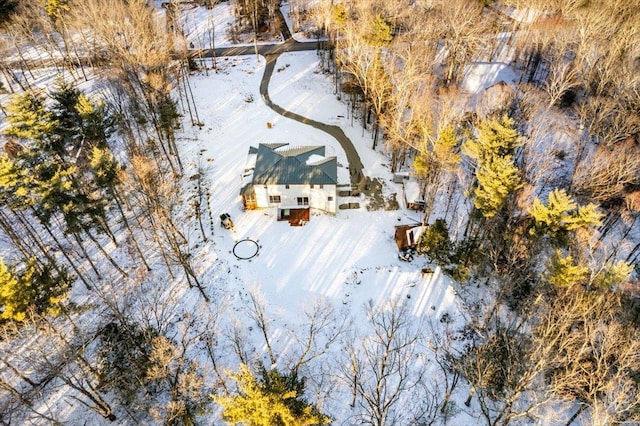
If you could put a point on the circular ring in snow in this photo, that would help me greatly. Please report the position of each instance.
(246, 249)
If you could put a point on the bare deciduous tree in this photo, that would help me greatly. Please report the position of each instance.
(385, 368)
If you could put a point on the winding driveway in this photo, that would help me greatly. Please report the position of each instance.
(271, 52)
(355, 164)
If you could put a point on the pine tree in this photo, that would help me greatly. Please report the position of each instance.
(65, 97)
(563, 272)
(496, 172)
(80, 123)
(55, 9)
(380, 33)
(586, 216)
(423, 166)
(441, 153)
(445, 148)
(105, 168)
(124, 355)
(106, 176)
(274, 400)
(612, 274)
(37, 287)
(562, 214)
(12, 300)
(553, 216)
(44, 175)
(28, 118)
(496, 137)
(16, 185)
(497, 179)
(340, 15)
(97, 124)
(435, 242)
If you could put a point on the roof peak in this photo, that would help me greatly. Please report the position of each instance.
(286, 150)
(280, 163)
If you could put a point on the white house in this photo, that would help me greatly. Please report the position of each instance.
(292, 179)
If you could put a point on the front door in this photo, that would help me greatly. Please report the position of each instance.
(285, 214)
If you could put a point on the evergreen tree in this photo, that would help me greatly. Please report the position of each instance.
(45, 176)
(497, 178)
(79, 121)
(445, 148)
(563, 272)
(28, 118)
(105, 168)
(37, 181)
(423, 166)
(340, 15)
(561, 215)
(37, 287)
(125, 358)
(12, 301)
(16, 185)
(97, 124)
(496, 174)
(272, 400)
(612, 274)
(442, 153)
(435, 242)
(68, 131)
(496, 137)
(55, 9)
(380, 33)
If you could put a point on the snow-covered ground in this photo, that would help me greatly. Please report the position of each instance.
(347, 260)
(207, 28)
(320, 259)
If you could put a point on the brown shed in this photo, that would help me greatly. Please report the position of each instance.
(407, 236)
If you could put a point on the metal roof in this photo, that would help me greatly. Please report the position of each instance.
(279, 164)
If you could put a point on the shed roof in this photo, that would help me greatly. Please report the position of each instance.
(280, 164)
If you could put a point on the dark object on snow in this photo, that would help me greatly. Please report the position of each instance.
(225, 221)
(246, 249)
(406, 255)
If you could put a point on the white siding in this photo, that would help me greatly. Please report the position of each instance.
(318, 197)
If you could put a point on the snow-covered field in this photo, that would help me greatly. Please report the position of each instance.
(321, 259)
(346, 260)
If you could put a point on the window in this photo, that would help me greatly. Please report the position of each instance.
(286, 186)
(329, 198)
(312, 186)
(303, 201)
(321, 186)
(274, 199)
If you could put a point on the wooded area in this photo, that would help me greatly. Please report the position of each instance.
(532, 199)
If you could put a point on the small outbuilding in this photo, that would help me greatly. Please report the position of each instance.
(407, 236)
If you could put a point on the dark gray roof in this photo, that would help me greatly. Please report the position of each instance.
(277, 165)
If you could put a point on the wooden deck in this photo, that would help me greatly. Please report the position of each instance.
(296, 217)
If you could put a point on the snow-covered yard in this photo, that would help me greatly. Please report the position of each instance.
(347, 260)
(322, 258)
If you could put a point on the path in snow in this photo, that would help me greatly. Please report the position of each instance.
(271, 52)
(355, 164)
